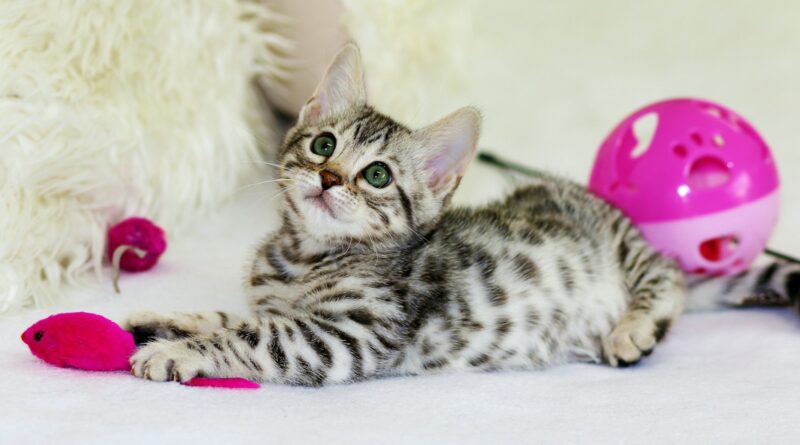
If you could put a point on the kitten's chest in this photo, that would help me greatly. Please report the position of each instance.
(306, 282)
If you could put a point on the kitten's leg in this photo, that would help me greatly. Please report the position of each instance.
(657, 293)
(303, 348)
(148, 326)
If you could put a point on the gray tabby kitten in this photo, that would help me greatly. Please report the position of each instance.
(371, 274)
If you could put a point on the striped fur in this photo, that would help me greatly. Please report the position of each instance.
(391, 281)
(773, 284)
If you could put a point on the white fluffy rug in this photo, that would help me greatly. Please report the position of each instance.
(114, 108)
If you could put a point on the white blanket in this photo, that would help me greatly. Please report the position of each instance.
(719, 377)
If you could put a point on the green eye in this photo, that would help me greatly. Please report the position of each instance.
(323, 145)
(378, 175)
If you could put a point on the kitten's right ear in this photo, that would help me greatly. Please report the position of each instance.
(341, 88)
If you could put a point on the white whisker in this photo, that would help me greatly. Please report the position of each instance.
(417, 233)
(262, 162)
(270, 181)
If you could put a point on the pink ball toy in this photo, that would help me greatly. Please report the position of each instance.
(702, 186)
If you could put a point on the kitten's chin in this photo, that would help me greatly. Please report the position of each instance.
(324, 222)
(322, 218)
(318, 205)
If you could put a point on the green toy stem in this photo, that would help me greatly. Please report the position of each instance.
(782, 256)
(491, 159)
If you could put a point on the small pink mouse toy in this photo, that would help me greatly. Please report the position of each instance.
(92, 342)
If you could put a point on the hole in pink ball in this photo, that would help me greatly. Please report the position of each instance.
(710, 109)
(733, 121)
(680, 151)
(720, 248)
(718, 113)
(696, 138)
(708, 172)
(640, 135)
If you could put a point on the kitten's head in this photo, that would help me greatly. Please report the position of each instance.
(354, 176)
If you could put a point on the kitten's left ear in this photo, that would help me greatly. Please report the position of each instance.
(342, 87)
(449, 146)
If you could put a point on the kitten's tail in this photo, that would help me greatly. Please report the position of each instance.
(774, 284)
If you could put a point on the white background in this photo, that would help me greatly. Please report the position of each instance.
(552, 78)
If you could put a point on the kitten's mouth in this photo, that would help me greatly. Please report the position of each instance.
(319, 202)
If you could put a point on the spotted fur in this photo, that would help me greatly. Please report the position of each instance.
(361, 282)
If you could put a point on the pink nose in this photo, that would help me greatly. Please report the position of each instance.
(329, 179)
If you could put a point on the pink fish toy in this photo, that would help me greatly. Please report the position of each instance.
(91, 342)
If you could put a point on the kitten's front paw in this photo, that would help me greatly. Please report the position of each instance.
(165, 360)
(630, 341)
